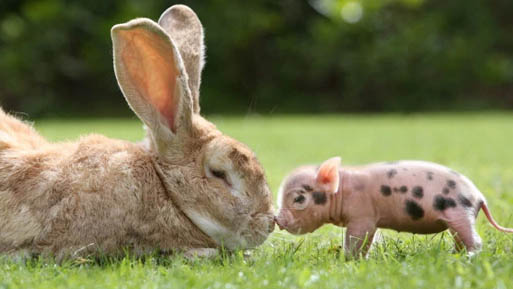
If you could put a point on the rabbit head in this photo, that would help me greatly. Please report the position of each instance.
(215, 180)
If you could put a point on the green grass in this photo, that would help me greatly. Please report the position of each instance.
(478, 145)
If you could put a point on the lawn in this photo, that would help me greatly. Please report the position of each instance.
(477, 145)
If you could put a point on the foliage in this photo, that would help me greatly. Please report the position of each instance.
(271, 56)
(477, 145)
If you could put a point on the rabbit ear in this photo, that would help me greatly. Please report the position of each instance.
(152, 78)
(184, 27)
(328, 176)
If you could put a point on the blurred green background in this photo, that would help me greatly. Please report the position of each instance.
(271, 56)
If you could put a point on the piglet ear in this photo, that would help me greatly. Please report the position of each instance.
(328, 175)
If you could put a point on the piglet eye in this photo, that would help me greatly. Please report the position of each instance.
(218, 174)
(299, 199)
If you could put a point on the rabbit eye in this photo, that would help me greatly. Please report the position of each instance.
(218, 174)
(299, 199)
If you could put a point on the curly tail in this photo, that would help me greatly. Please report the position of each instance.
(492, 221)
(15, 134)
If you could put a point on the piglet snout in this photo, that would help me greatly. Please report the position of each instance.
(280, 225)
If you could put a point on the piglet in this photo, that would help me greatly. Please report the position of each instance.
(410, 196)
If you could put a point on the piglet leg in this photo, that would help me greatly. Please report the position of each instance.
(464, 233)
(359, 237)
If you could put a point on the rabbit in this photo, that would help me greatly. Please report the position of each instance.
(187, 187)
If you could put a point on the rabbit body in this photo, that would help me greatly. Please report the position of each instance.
(186, 187)
(97, 194)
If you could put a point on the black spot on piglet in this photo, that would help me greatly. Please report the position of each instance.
(319, 198)
(386, 191)
(391, 173)
(429, 175)
(451, 184)
(440, 203)
(464, 201)
(307, 188)
(414, 210)
(418, 192)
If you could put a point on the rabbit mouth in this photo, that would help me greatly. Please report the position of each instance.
(219, 233)
(261, 226)
(254, 232)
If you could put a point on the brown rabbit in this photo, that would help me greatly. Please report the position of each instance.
(186, 187)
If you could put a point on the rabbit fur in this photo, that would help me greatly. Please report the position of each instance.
(186, 187)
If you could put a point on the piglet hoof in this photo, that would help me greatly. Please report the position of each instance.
(465, 253)
(472, 254)
(201, 253)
